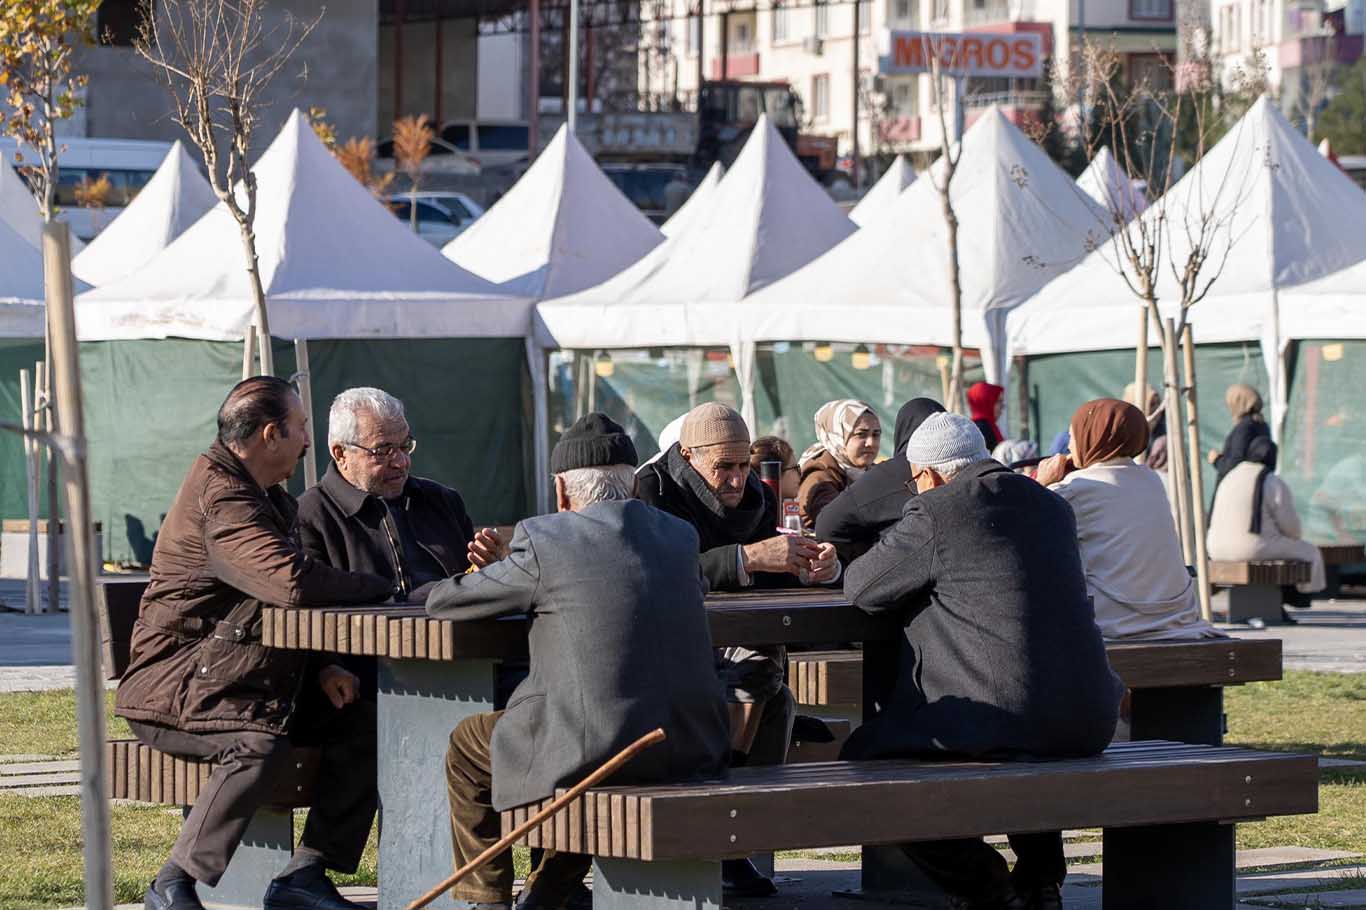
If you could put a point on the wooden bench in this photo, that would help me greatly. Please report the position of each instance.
(1167, 811)
(1254, 588)
(1176, 687)
(1335, 556)
(138, 773)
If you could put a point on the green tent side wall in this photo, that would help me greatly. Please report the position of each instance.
(16, 354)
(1060, 383)
(1322, 449)
(151, 408)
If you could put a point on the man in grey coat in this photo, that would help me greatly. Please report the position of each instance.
(1002, 658)
(619, 645)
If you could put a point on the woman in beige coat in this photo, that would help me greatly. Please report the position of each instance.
(1254, 516)
(1129, 548)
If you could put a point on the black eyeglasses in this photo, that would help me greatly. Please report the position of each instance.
(386, 451)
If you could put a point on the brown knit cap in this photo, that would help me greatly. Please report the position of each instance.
(715, 424)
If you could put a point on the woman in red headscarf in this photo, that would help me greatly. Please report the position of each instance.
(986, 402)
(1135, 572)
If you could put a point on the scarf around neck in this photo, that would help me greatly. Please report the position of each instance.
(834, 425)
(737, 524)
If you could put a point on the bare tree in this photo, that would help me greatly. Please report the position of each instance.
(217, 58)
(941, 176)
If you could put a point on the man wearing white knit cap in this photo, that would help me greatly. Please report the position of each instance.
(1002, 658)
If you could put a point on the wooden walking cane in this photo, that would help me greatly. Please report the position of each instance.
(574, 792)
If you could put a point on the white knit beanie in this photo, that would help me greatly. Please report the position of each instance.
(944, 439)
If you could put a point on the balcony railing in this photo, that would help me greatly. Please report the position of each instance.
(996, 11)
(737, 65)
(1019, 99)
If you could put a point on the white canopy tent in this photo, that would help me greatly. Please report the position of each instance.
(176, 197)
(882, 198)
(766, 218)
(1281, 216)
(1105, 181)
(21, 286)
(1022, 220)
(1331, 307)
(333, 262)
(563, 227)
(19, 210)
(695, 202)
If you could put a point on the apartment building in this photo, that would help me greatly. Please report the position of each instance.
(1299, 44)
(812, 46)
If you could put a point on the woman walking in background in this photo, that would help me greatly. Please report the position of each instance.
(848, 436)
(987, 401)
(1245, 404)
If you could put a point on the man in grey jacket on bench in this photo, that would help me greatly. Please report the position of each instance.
(619, 645)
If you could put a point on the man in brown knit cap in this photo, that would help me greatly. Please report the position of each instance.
(705, 479)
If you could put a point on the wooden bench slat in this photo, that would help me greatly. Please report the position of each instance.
(1258, 572)
(1342, 554)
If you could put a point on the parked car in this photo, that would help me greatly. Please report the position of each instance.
(658, 190)
(442, 157)
(441, 216)
(491, 143)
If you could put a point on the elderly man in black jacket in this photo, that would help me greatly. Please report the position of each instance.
(1002, 657)
(705, 479)
(369, 514)
(856, 518)
(619, 645)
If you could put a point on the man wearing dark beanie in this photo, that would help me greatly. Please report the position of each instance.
(619, 645)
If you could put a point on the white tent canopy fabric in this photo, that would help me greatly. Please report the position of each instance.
(563, 227)
(21, 286)
(766, 218)
(695, 203)
(1105, 181)
(882, 198)
(176, 197)
(1280, 214)
(1331, 307)
(20, 211)
(1021, 221)
(334, 264)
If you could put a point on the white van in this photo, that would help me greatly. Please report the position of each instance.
(128, 163)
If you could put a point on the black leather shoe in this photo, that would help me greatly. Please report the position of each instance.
(739, 878)
(308, 889)
(172, 896)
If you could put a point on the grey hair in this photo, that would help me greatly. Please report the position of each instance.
(585, 486)
(341, 418)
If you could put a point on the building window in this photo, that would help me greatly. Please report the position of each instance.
(781, 23)
(901, 12)
(1150, 9)
(820, 97)
(941, 12)
(822, 13)
(117, 21)
(864, 15)
(694, 33)
(904, 97)
(744, 41)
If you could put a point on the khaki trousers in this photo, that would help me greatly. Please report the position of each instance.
(475, 824)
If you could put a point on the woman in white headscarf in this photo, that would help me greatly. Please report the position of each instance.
(848, 436)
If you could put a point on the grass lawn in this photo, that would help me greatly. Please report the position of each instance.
(40, 838)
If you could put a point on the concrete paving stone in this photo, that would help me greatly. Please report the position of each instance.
(7, 759)
(38, 767)
(1316, 900)
(1262, 883)
(57, 790)
(1340, 764)
(20, 781)
(1289, 856)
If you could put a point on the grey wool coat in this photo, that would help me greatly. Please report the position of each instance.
(1002, 657)
(619, 646)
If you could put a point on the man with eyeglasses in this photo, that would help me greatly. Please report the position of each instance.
(369, 514)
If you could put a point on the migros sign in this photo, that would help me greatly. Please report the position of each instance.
(1018, 55)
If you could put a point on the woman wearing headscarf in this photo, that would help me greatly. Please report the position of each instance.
(1245, 404)
(848, 436)
(1254, 516)
(1129, 548)
(855, 519)
(986, 402)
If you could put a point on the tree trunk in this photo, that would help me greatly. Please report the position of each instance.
(1196, 474)
(1141, 362)
(955, 402)
(259, 294)
(1176, 448)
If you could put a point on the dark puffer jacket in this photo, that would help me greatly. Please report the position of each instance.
(226, 548)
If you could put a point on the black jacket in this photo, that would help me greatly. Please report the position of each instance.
(1235, 445)
(755, 519)
(856, 518)
(347, 528)
(1002, 657)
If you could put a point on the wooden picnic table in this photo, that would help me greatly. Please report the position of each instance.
(433, 673)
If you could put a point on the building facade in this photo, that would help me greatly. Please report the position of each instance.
(812, 46)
